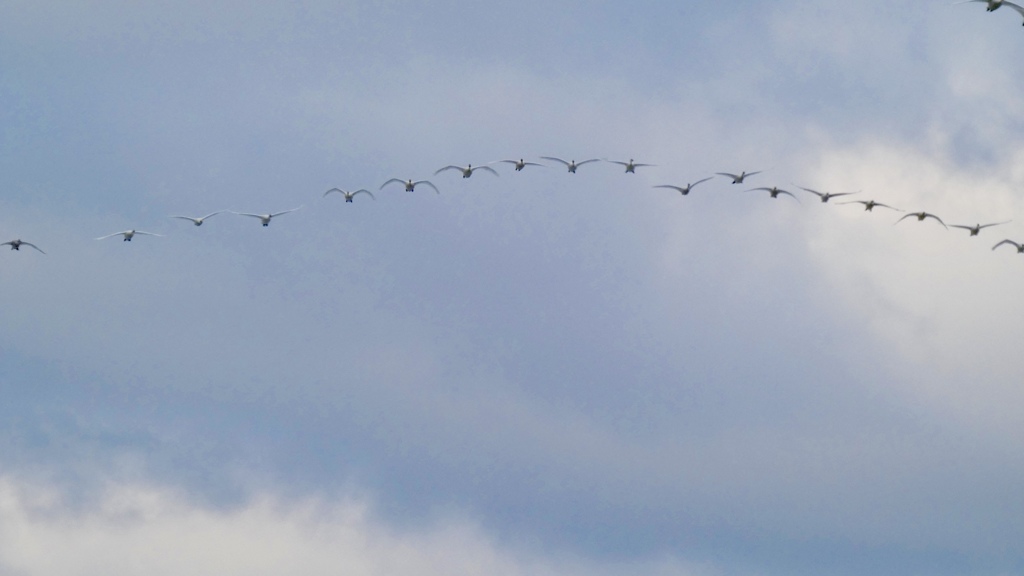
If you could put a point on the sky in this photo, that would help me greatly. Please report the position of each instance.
(531, 373)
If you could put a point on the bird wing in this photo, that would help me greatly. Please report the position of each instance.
(260, 216)
(1017, 7)
(995, 224)
(679, 189)
(459, 168)
(338, 190)
(147, 233)
(815, 192)
(30, 244)
(887, 206)
(114, 234)
(402, 182)
(189, 218)
(554, 159)
(699, 181)
(905, 216)
(284, 212)
(488, 168)
(1007, 241)
(926, 215)
(960, 226)
(733, 176)
(364, 191)
(790, 194)
(838, 194)
(428, 183)
(211, 214)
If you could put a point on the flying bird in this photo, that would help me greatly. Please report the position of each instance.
(410, 186)
(265, 218)
(993, 5)
(197, 221)
(17, 244)
(825, 196)
(128, 234)
(349, 195)
(630, 166)
(869, 205)
(684, 190)
(1019, 247)
(920, 218)
(774, 192)
(738, 178)
(468, 170)
(977, 227)
(520, 164)
(571, 165)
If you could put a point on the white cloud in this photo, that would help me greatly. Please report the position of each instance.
(140, 529)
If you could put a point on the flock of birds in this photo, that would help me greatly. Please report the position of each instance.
(571, 166)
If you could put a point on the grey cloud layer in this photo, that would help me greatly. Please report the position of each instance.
(579, 363)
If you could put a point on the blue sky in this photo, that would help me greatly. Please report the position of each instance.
(539, 372)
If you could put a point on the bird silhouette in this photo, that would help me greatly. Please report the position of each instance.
(630, 166)
(684, 190)
(738, 178)
(977, 227)
(410, 186)
(572, 165)
(265, 218)
(197, 221)
(774, 192)
(17, 244)
(869, 205)
(128, 235)
(920, 218)
(468, 170)
(350, 195)
(1019, 247)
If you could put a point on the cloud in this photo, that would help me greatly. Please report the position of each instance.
(134, 528)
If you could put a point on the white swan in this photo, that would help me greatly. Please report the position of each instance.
(410, 186)
(738, 178)
(977, 227)
(17, 244)
(774, 192)
(920, 218)
(520, 164)
(572, 165)
(869, 205)
(684, 190)
(349, 195)
(128, 234)
(265, 218)
(825, 196)
(468, 170)
(630, 166)
(197, 221)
